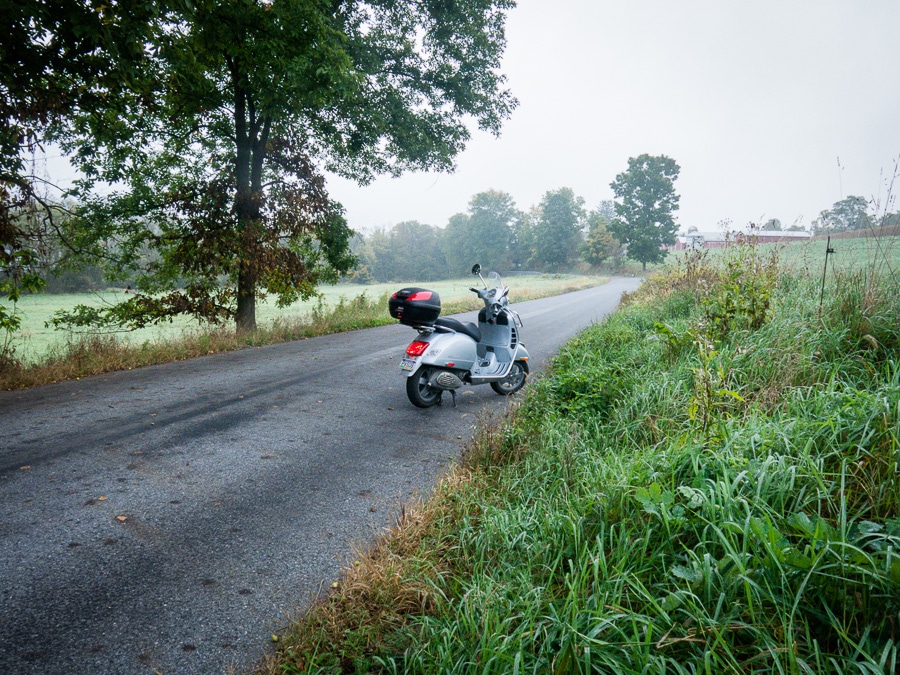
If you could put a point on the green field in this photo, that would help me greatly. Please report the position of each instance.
(849, 254)
(35, 339)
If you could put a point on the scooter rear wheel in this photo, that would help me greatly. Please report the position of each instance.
(514, 381)
(418, 391)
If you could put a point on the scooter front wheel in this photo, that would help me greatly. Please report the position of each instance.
(420, 394)
(514, 381)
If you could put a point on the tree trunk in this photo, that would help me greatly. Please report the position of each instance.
(249, 221)
(251, 137)
(245, 317)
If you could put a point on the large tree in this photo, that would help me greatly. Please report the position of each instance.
(645, 202)
(556, 233)
(489, 228)
(599, 243)
(851, 213)
(482, 235)
(221, 170)
(457, 245)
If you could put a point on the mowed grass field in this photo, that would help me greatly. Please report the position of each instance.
(35, 339)
(850, 254)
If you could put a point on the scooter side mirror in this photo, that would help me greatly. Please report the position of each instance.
(476, 269)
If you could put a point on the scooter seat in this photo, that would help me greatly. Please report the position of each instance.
(469, 329)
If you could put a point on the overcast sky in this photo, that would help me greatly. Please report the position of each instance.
(756, 101)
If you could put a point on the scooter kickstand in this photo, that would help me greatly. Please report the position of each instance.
(453, 396)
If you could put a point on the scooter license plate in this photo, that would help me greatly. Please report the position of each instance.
(407, 364)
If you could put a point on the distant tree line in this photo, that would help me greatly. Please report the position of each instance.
(559, 234)
(851, 214)
(556, 235)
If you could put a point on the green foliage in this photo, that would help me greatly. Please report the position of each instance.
(455, 245)
(556, 233)
(223, 199)
(57, 56)
(489, 228)
(494, 233)
(864, 306)
(599, 245)
(713, 399)
(645, 203)
(483, 235)
(676, 341)
(742, 294)
(590, 385)
(408, 251)
(851, 213)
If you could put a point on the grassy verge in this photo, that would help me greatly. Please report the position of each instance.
(85, 355)
(707, 482)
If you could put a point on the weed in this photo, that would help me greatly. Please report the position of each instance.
(741, 297)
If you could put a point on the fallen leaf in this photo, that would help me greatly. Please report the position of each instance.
(101, 499)
(335, 584)
(24, 468)
(121, 519)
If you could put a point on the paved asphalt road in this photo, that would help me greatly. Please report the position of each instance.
(169, 519)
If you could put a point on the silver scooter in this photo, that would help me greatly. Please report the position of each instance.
(449, 353)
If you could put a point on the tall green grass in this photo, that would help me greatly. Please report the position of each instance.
(705, 483)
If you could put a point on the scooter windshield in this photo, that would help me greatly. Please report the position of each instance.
(495, 283)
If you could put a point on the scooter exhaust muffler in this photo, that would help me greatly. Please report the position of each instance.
(445, 381)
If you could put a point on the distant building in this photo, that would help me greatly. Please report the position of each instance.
(718, 239)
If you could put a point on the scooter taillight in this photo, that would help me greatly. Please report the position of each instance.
(416, 348)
